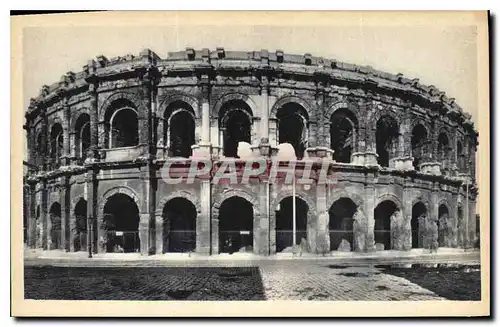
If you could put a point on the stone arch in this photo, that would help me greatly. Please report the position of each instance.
(390, 197)
(120, 95)
(293, 99)
(231, 193)
(169, 99)
(117, 190)
(311, 204)
(228, 97)
(75, 200)
(178, 194)
(358, 200)
(75, 115)
(377, 114)
(425, 124)
(342, 105)
(421, 198)
(445, 203)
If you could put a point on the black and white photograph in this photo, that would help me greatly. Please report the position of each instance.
(190, 158)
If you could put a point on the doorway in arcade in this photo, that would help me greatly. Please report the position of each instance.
(235, 225)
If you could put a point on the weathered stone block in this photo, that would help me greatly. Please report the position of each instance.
(344, 246)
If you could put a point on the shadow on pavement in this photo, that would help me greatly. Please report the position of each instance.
(143, 283)
(461, 283)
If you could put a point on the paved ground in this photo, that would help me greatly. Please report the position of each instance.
(267, 280)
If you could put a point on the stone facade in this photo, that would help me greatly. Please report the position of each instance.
(402, 154)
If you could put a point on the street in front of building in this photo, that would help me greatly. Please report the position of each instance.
(217, 280)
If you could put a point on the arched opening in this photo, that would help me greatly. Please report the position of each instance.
(179, 129)
(179, 226)
(56, 142)
(235, 124)
(121, 224)
(121, 124)
(341, 222)
(418, 223)
(383, 213)
(460, 226)
(386, 136)
(82, 136)
(343, 127)
(80, 232)
(235, 225)
(39, 151)
(55, 230)
(443, 222)
(284, 222)
(444, 150)
(292, 127)
(419, 141)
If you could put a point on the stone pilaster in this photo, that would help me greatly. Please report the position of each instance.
(370, 197)
(203, 149)
(261, 222)
(322, 228)
(72, 230)
(95, 228)
(264, 122)
(66, 154)
(32, 217)
(204, 222)
(64, 194)
(406, 210)
(158, 233)
(434, 216)
(92, 80)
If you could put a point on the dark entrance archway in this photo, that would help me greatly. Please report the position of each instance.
(121, 224)
(443, 214)
(419, 143)
(418, 217)
(386, 136)
(284, 222)
(80, 243)
(341, 222)
(383, 213)
(55, 231)
(235, 225)
(179, 226)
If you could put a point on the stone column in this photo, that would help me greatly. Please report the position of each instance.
(406, 232)
(203, 222)
(92, 81)
(72, 230)
(95, 229)
(65, 159)
(454, 219)
(370, 196)
(261, 223)
(264, 122)
(32, 216)
(73, 156)
(64, 194)
(158, 233)
(434, 216)
(404, 160)
(323, 233)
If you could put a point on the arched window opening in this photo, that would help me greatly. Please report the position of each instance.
(387, 134)
(341, 223)
(39, 151)
(419, 145)
(235, 225)
(460, 156)
(383, 213)
(284, 222)
(80, 232)
(179, 129)
(179, 226)
(56, 143)
(121, 224)
(419, 222)
(293, 127)
(443, 150)
(343, 127)
(235, 124)
(121, 124)
(82, 136)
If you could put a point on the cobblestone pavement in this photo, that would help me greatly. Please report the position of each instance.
(269, 281)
